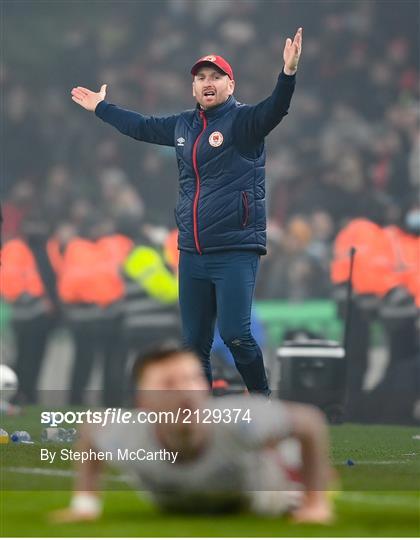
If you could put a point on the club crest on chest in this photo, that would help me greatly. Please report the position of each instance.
(216, 139)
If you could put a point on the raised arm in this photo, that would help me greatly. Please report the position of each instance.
(156, 130)
(254, 122)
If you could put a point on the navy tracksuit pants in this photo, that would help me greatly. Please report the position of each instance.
(222, 285)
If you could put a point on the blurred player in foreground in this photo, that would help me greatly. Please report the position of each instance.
(226, 466)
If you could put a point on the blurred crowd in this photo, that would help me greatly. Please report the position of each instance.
(349, 148)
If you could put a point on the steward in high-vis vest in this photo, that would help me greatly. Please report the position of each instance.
(150, 314)
(26, 285)
(92, 290)
(386, 266)
(400, 307)
(151, 293)
(399, 311)
(386, 258)
(368, 287)
(386, 270)
(372, 272)
(220, 212)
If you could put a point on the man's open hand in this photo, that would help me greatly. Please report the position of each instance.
(86, 98)
(291, 53)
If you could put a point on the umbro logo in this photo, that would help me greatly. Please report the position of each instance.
(180, 141)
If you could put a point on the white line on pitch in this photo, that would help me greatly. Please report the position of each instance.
(37, 471)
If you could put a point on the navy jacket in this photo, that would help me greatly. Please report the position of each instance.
(221, 158)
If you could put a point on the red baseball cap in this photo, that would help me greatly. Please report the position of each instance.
(218, 61)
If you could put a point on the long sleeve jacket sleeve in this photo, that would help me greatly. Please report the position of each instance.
(254, 122)
(152, 129)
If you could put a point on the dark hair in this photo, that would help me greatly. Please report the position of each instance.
(155, 356)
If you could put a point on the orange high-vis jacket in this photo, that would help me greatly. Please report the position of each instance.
(358, 234)
(373, 263)
(115, 247)
(111, 252)
(90, 273)
(18, 272)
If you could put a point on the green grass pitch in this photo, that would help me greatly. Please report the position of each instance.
(380, 493)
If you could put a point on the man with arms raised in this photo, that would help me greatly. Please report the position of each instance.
(220, 212)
